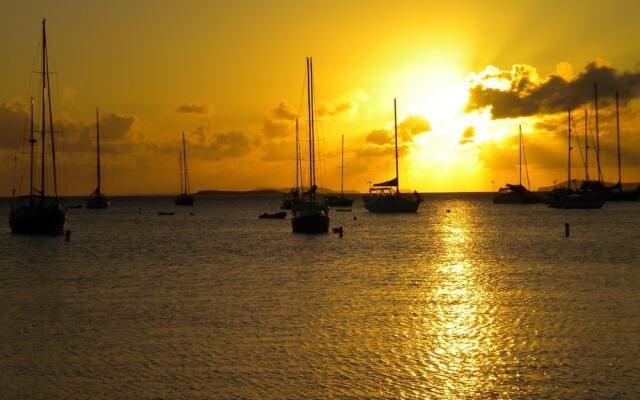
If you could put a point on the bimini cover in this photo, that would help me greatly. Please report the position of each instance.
(392, 182)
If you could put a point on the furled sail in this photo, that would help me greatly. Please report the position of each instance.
(392, 182)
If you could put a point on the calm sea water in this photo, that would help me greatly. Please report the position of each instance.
(480, 301)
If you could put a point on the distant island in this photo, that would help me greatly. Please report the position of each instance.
(259, 192)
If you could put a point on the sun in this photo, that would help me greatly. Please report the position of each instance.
(438, 91)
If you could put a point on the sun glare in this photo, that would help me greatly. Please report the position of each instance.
(436, 91)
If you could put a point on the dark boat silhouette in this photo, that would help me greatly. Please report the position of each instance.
(277, 215)
(39, 213)
(185, 198)
(614, 192)
(340, 201)
(385, 197)
(97, 201)
(570, 198)
(310, 216)
(293, 197)
(517, 194)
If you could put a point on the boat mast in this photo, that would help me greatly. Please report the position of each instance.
(395, 128)
(181, 178)
(310, 122)
(313, 124)
(53, 144)
(98, 150)
(186, 170)
(297, 158)
(43, 125)
(595, 90)
(569, 152)
(618, 134)
(586, 148)
(32, 142)
(342, 170)
(520, 154)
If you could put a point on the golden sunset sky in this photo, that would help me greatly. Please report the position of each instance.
(231, 76)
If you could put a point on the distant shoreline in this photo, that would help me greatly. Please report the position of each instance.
(261, 192)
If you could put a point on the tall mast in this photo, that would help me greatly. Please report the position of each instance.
(32, 142)
(569, 152)
(310, 122)
(595, 90)
(313, 124)
(43, 124)
(53, 143)
(181, 178)
(395, 128)
(297, 158)
(586, 147)
(618, 134)
(520, 155)
(186, 170)
(98, 150)
(342, 170)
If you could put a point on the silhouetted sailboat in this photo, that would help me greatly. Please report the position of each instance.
(569, 198)
(185, 198)
(615, 192)
(310, 216)
(37, 213)
(97, 199)
(293, 197)
(340, 201)
(385, 197)
(517, 194)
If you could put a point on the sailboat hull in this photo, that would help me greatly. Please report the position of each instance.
(184, 200)
(37, 220)
(622, 196)
(310, 222)
(97, 203)
(577, 202)
(338, 201)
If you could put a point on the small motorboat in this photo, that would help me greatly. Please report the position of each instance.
(74, 206)
(278, 215)
(166, 213)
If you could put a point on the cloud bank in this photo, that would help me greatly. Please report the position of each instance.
(520, 92)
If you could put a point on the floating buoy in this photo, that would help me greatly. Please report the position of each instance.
(448, 210)
(354, 218)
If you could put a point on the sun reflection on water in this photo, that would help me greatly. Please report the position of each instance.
(460, 322)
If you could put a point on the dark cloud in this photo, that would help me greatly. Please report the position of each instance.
(13, 122)
(279, 121)
(347, 106)
(379, 137)
(283, 112)
(195, 108)
(467, 135)
(273, 128)
(520, 93)
(336, 109)
(219, 145)
(411, 126)
(387, 151)
(115, 127)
